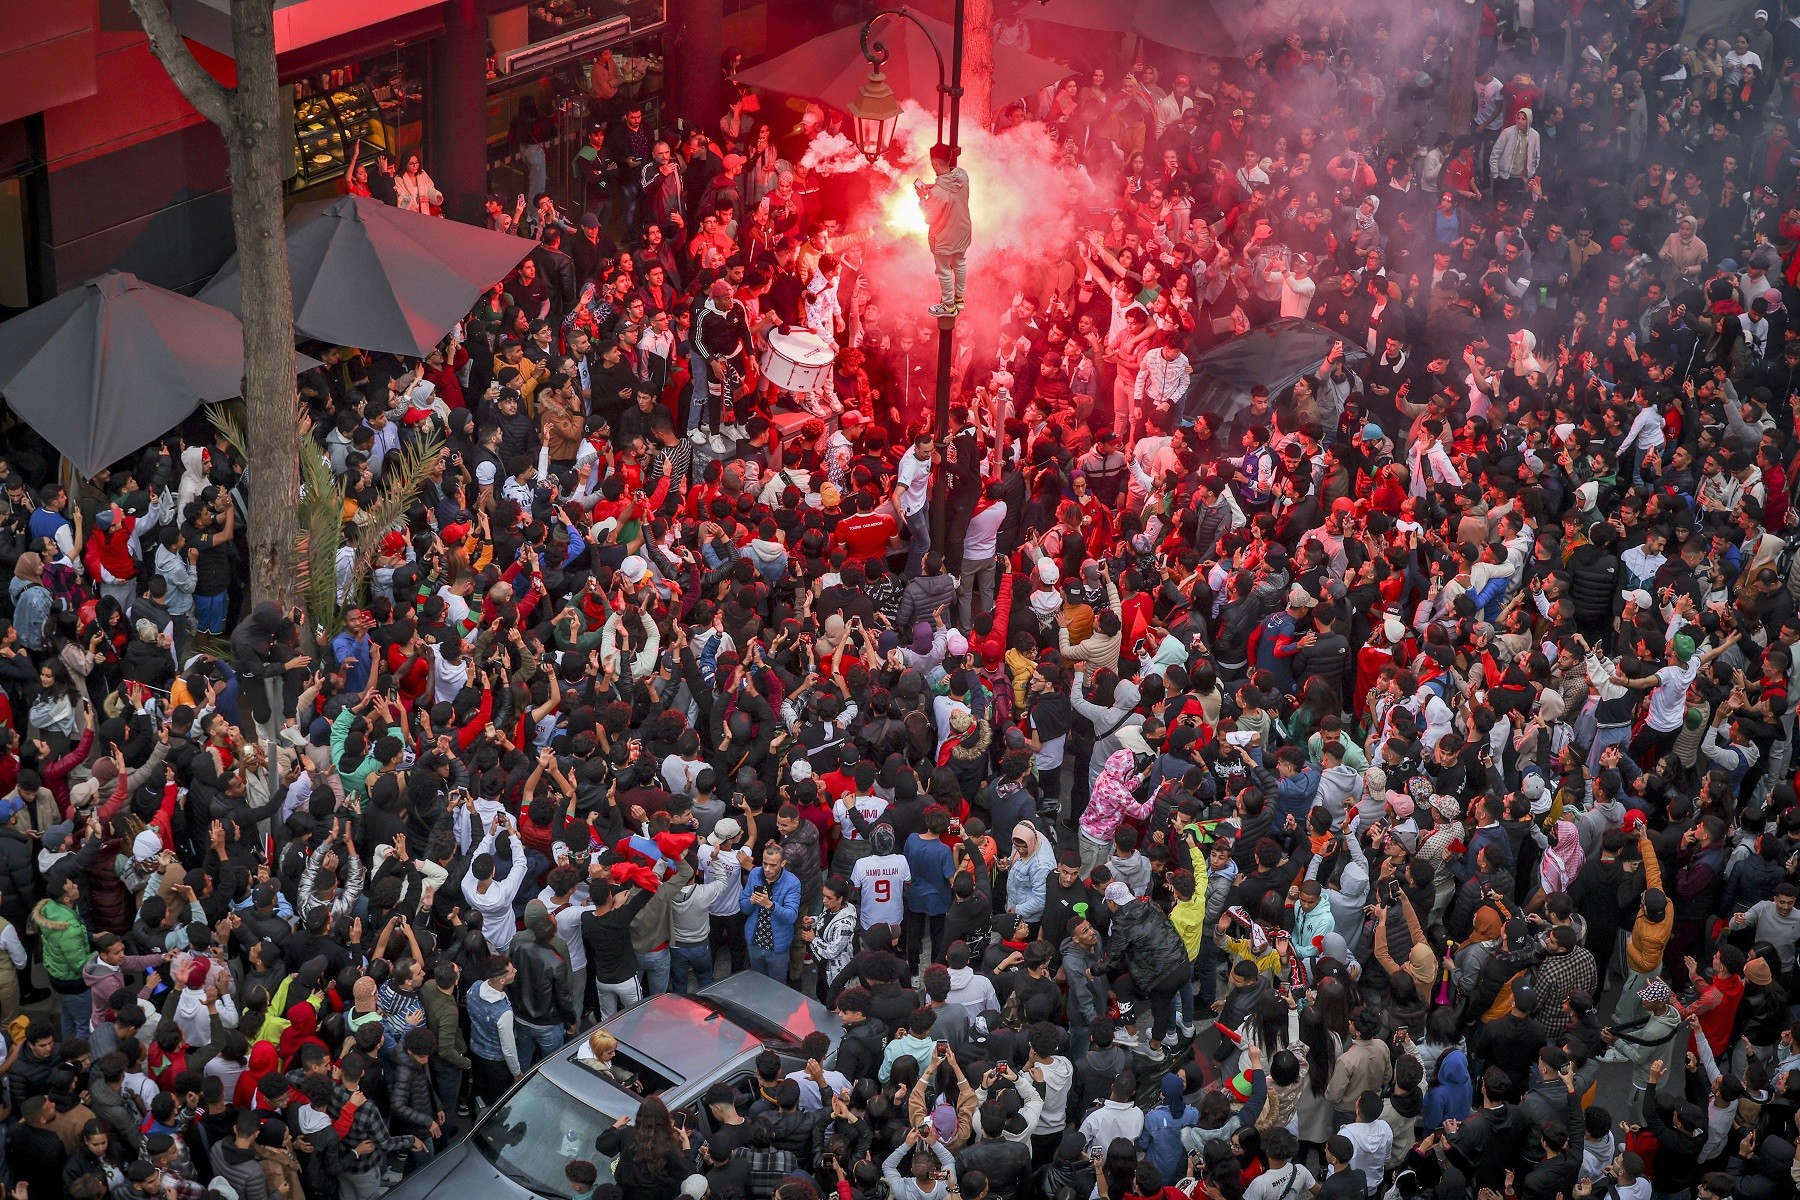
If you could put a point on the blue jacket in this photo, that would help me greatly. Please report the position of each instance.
(356, 656)
(1451, 1095)
(1294, 795)
(785, 892)
(1161, 1139)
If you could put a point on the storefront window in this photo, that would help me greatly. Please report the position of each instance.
(374, 107)
(555, 107)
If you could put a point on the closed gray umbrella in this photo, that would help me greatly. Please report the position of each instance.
(112, 365)
(375, 277)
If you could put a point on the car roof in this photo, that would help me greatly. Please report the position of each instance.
(776, 1012)
(684, 1039)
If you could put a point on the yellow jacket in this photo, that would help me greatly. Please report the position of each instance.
(1644, 948)
(1189, 916)
(1020, 665)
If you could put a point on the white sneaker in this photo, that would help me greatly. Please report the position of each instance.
(1125, 1038)
(1169, 1040)
(736, 433)
(1186, 1027)
(837, 406)
(720, 444)
(1154, 1055)
(697, 436)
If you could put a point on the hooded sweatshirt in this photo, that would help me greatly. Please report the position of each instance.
(196, 1022)
(1162, 1130)
(1107, 722)
(946, 207)
(1025, 882)
(193, 476)
(1339, 787)
(1059, 1073)
(974, 991)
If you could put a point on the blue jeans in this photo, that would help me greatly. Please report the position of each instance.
(772, 963)
(682, 959)
(653, 971)
(209, 613)
(919, 525)
(537, 176)
(77, 1013)
(535, 1042)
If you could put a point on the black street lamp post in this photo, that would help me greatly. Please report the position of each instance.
(876, 112)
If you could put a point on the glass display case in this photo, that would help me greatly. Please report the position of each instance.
(327, 122)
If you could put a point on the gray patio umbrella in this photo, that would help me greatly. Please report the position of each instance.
(109, 366)
(380, 278)
(830, 67)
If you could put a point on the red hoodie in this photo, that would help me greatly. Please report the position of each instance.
(111, 549)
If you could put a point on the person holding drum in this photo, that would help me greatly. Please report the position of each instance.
(721, 340)
(946, 204)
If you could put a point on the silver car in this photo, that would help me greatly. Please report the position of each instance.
(676, 1046)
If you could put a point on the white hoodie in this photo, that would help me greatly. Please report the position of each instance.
(975, 992)
(193, 477)
(196, 1022)
(1058, 1074)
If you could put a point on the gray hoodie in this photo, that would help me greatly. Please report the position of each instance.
(904, 1187)
(689, 911)
(1108, 721)
(946, 205)
(1339, 787)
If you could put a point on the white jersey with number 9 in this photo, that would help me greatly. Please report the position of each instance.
(882, 878)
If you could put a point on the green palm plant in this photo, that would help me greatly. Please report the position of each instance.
(321, 538)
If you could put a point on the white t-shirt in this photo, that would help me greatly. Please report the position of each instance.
(869, 808)
(1292, 1180)
(678, 775)
(447, 678)
(914, 478)
(1668, 699)
(882, 878)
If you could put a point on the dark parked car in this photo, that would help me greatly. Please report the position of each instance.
(1274, 355)
(677, 1046)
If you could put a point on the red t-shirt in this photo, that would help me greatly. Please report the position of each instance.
(865, 535)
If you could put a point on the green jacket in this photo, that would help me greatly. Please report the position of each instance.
(65, 939)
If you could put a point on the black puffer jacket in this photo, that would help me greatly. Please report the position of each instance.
(18, 889)
(1145, 943)
(1593, 586)
(412, 1103)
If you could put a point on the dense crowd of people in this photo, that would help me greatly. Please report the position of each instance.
(1382, 786)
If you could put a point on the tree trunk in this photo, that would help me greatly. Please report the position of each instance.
(978, 63)
(250, 119)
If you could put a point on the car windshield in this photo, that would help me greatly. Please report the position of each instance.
(539, 1129)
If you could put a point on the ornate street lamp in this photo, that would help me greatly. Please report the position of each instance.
(876, 111)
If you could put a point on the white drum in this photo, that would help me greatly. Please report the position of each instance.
(797, 361)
